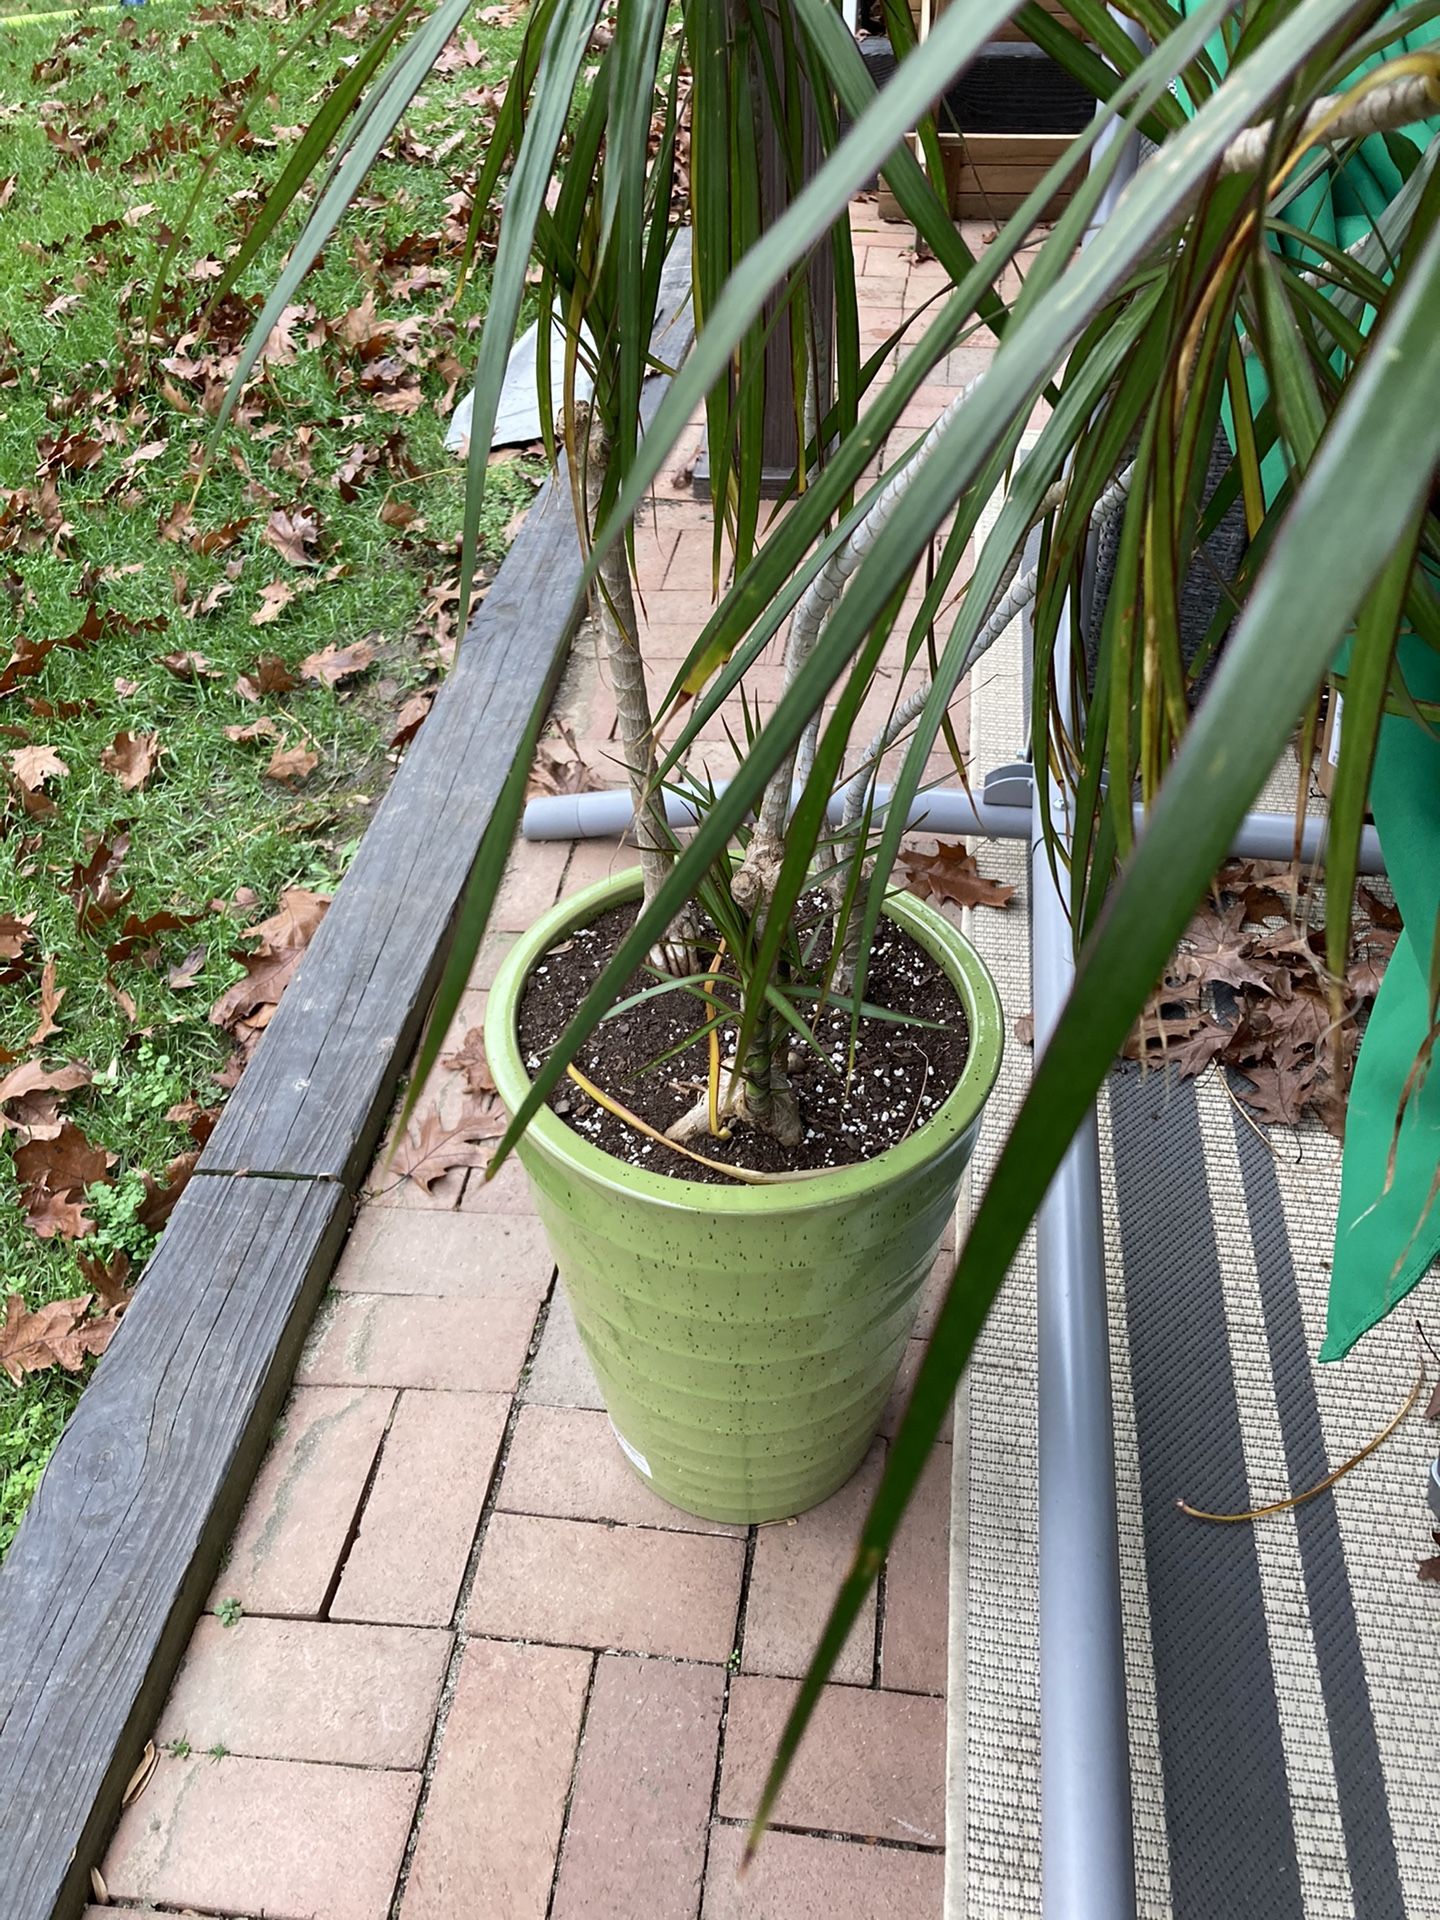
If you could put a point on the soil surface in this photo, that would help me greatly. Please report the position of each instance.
(903, 1072)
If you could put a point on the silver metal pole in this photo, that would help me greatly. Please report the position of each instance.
(1086, 1839)
(1087, 1844)
(607, 815)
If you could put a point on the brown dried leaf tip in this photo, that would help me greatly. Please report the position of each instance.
(950, 874)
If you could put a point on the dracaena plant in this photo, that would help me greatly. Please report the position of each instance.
(1197, 303)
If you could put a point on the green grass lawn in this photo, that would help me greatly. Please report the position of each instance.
(332, 492)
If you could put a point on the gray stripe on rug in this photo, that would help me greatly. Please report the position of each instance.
(1355, 1750)
(1227, 1806)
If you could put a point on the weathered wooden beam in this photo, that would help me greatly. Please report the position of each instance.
(113, 1562)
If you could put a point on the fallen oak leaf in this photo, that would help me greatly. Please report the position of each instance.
(107, 1279)
(290, 533)
(469, 1059)
(31, 1342)
(189, 665)
(15, 937)
(335, 664)
(950, 873)
(188, 972)
(136, 933)
(1380, 912)
(283, 939)
(161, 1195)
(552, 773)
(288, 766)
(33, 766)
(273, 598)
(92, 886)
(430, 1149)
(399, 514)
(32, 1078)
(132, 758)
(1217, 950)
(261, 729)
(218, 539)
(411, 718)
(1278, 1097)
(67, 1164)
(269, 674)
(50, 998)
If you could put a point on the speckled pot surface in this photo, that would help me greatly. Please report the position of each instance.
(746, 1338)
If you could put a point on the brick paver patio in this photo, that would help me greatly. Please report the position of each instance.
(481, 1672)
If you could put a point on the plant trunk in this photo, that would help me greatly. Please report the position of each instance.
(614, 603)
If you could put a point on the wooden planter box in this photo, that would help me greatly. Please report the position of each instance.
(1008, 32)
(988, 175)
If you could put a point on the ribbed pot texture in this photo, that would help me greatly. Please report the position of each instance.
(746, 1338)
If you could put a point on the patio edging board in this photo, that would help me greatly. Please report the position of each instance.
(114, 1560)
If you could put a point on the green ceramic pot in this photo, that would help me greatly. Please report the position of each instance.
(746, 1338)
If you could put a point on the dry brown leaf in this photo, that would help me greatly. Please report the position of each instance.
(15, 937)
(189, 666)
(50, 998)
(109, 1280)
(335, 664)
(188, 971)
(950, 873)
(1218, 950)
(430, 1149)
(30, 1342)
(132, 758)
(290, 765)
(411, 718)
(161, 1195)
(469, 1059)
(137, 934)
(262, 729)
(291, 533)
(552, 773)
(33, 766)
(29, 1092)
(272, 599)
(269, 674)
(245, 1008)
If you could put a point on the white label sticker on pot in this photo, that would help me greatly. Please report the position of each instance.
(1334, 754)
(632, 1454)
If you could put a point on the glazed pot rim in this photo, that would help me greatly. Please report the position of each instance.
(548, 1133)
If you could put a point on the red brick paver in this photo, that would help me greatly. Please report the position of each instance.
(564, 1463)
(294, 1528)
(635, 1844)
(283, 1838)
(796, 1572)
(497, 1804)
(394, 1251)
(872, 1763)
(481, 1671)
(797, 1876)
(376, 1339)
(419, 1522)
(577, 1584)
(307, 1690)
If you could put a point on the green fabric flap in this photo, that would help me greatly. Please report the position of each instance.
(1387, 1234)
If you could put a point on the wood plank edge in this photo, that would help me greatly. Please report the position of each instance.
(70, 1876)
